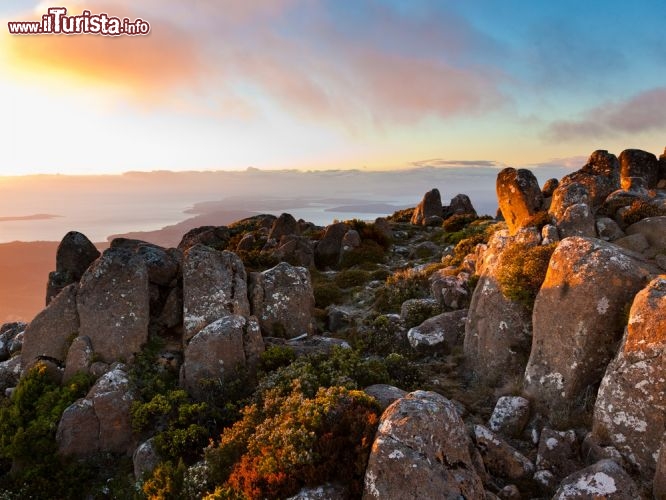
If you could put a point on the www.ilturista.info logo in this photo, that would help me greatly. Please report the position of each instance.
(58, 22)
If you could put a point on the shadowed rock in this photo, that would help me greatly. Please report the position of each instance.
(429, 209)
(637, 163)
(74, 255)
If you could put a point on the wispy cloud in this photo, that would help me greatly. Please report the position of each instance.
(642, 112)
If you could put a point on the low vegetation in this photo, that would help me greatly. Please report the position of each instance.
(521, 271)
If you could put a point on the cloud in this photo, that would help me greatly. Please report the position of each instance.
(643, 112)
(437, 162)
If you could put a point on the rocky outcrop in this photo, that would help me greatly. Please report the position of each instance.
(600, 176)
(216, 237)
(519, 196)
(283, 301)
(101, 421)
(50, 333)
(631, 405)
(214, 286)
(74, 255)
(429, 210)
(421, 450)
(113, 304)
(567, 195)
(327, 250)
(460, 205)
(498, 332)
(593, 281)
(217, 352)
(605, 479)
(296, 250)
(577, 220)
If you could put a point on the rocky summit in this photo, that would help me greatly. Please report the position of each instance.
(433, 353)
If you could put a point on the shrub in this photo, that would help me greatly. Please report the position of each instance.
(458, 222)
(292, 441)
(326, 293)
(369, 252)
(539, 220)
(404, 215)
(399, 287)
(28, 422)
(276, 357)
(368, 231)
(349, 278)
(521, 271)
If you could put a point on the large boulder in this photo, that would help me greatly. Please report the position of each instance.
(216, 237)
(577, 220)
(498, 332)
(603, 480)
(460, 204)
(519, 196)
(283, 300)
(50, 333)
(421, 450)
(637, 163)
(296, 250)
(429, 209)
(74, 255)
(327, 251)
(567, 195)
(113, 303)
(162, 265)
(100, 422)
(631, 405)
(214, 286)
(219, 350)
(578, 319)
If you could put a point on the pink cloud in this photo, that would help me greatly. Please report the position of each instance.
(642, 112)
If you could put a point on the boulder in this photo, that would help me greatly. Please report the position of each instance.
(50, 333)
(8, 334)
(549, 234)
(500, 458)
(635, 242)
(283, 301)
(654, 230)
(218, 351)
(327, 251)
(549, 187)
(631, 405)
(428, 209)
(210, 236)
(558, 454)
(577, 220)
(498, 332)
(10, 373)
(638, 163)
(214, 286)
(510, 416)
(296, 250)
(79, 358)
(450, 291)
(162, 265)
(519, 196)
(145, 458)
(440, 333)
(385, 394)
(578, 321)
(600, 176)
(74, 255)
(608, 229)
(421, 450)
(566, 195)
(460, 204)
(113, 303)
(351, 239)
(285, 225)
(100, 422)
(605, 479)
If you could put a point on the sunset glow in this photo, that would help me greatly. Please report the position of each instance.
(313, 85)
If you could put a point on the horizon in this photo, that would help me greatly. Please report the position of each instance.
(294, 84)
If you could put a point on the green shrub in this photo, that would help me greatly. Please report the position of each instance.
(369, 252)
(293, 440)
(521, 271)
(404, 215)
(28, 423)
(276, 357)
(326, 294)
(399, 287)
(349, 278)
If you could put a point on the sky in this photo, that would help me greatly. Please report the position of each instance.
(322, 84)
